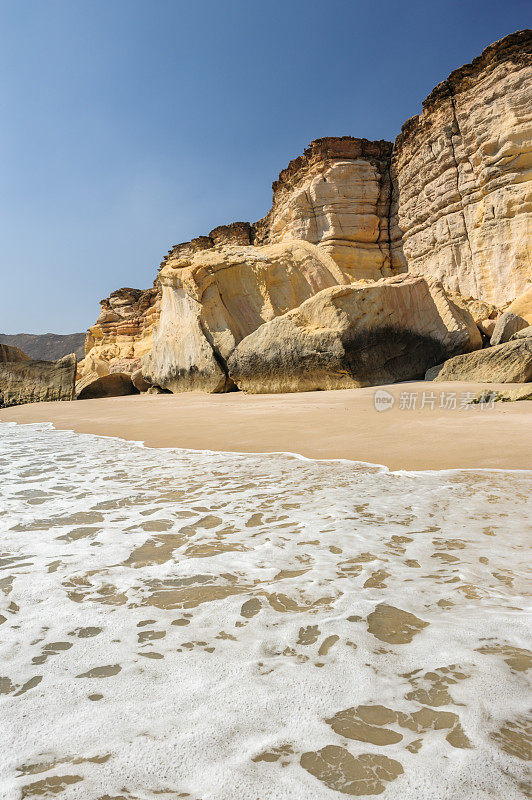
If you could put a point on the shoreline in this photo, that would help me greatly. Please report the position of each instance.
(334, 425)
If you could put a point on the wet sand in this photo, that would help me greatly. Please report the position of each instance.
(339, 424)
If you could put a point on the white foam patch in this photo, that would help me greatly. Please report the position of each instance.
(228, 607)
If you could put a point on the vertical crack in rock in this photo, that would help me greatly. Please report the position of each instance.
(220, 360)
(385, 178)
(456, 131)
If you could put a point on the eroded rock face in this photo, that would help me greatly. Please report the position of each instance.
(10, 353)
(357, 335)
(522, 305)
(122, 333)
(524, 333)
(506, 326)
(139, 381)
(116, 384)
(461, 172)
(337, 195)
(27, 381)
(511, 395)
(506, 363)
(450, 201)
(214, 298)
(479, 310)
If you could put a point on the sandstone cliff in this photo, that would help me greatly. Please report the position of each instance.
(122, 334)
(462, 177)
(337, 195)
(449, 201)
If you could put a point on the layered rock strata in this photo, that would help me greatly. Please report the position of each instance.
(122, 333)
(356, 335)
(462, 176)
(450, 201)
(337, 195)
(27, 381)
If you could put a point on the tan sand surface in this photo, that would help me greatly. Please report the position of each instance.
(338, 424)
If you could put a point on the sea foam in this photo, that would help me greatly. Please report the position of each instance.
(257, 627)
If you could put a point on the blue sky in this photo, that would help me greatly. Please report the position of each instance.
(130, 125)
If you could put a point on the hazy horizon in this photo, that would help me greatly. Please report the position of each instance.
(131, 126)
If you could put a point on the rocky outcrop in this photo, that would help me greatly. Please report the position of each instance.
(506, 326)
(356, 335)
(27, 381)
(213, 298)
(462, 189)
(510, 395)
(450, 201)
(522, 305)
(505, 363)
(479, 310)
(116, 384)
(524, 333)
(122, 333)
(139, 381)
(337, 195)
(10, 353)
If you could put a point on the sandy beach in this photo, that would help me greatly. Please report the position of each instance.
(337, 424)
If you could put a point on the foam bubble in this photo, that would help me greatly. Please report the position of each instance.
(213, 625)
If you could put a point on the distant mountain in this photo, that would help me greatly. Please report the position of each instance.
(46, 346)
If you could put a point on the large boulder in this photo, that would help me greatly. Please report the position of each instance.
(522, 305)
(479, 310)
(510, 395)
(213, 298)
(506, 326)
(487, 326)
(26, 381)
(506, 363)
(139, 381)
(357, 335)
(524, 333)
(115, 384)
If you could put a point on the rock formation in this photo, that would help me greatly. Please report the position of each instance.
(213, 298)
(506, 363)
(461, 172)
(506, 326)
(450, 201)
(510, 395)
(27, 381)
(522, 305)
(122, 333)
(358, 335)
(337, 196)
(10, 353)
(524, 333)
(116, 384)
